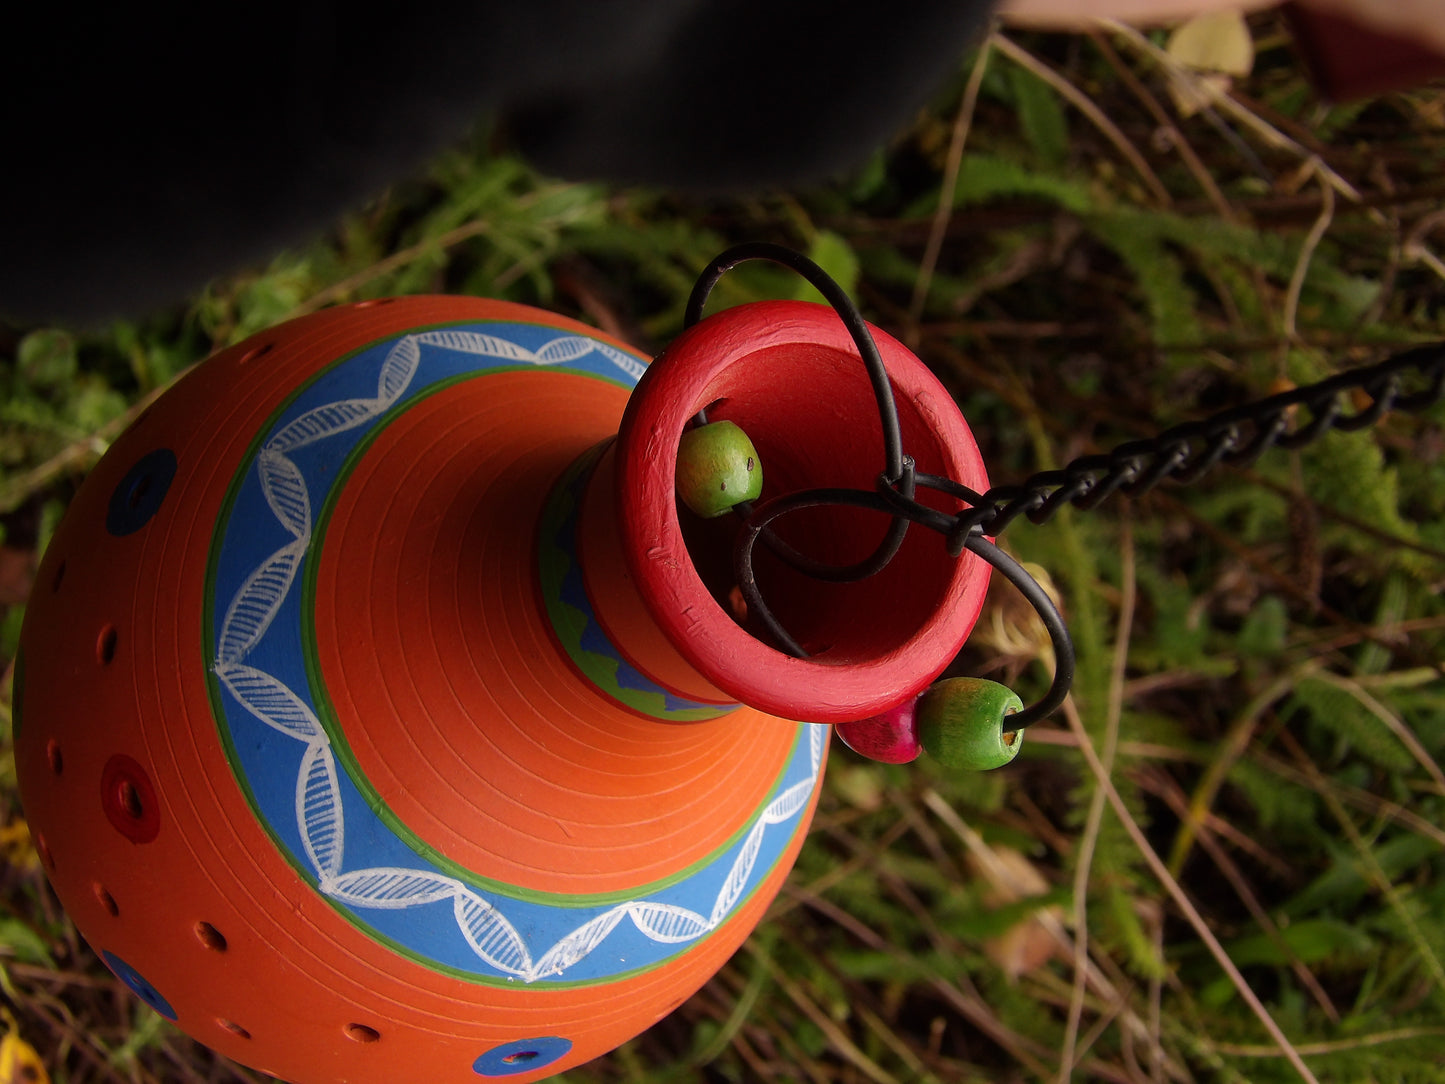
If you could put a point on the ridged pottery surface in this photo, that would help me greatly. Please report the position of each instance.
(324, 749)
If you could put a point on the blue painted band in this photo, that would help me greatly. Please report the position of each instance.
(270, 714)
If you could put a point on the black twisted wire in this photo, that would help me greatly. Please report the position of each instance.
(1183, 454)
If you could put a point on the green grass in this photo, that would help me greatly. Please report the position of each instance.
(1259, 655)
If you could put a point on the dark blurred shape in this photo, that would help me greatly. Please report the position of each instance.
(150, 149)
(1350, 61)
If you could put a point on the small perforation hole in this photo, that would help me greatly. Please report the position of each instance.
(211, 937)
(254, 353)
(129, 797)
(234, 1028)
(138, 489)
(53, 757)
(105, 899)
(361, 1033)
(105, 645)
(128, 800)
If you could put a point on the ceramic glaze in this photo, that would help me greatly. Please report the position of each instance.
(379, 716)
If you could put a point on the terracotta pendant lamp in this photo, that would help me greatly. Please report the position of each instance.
(381, 716)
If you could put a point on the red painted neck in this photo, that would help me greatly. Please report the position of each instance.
(789, 375)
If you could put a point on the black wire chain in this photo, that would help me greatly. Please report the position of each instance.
(1183, 454)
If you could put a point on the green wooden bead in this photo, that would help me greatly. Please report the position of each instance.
(717, 468)
(962, 722)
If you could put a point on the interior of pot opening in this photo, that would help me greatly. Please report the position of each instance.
(812, 416)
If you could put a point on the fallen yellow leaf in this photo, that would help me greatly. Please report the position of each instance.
(19, 1063)
(17, 847)
(1217, 41)
(1216, 46)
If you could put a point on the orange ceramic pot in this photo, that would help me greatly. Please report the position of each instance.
(380, 718)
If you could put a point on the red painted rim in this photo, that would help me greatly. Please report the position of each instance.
(749, 346)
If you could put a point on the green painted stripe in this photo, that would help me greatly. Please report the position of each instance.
(569, 623)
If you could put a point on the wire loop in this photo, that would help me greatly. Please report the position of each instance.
(1237, 436)
(895, 493)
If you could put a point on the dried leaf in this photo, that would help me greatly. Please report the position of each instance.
(1023, 949)
(17, 848)
(19, 1063)
(1010, 876)
(1217, 41)
(1217, 45)
(1031, 942)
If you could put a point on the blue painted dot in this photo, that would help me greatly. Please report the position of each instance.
(139, 494)
(522, 1056)
(142, 989)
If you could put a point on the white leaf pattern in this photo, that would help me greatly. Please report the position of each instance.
(324, 421)
(473, 342)
(319, 813)
(269, 700)
(490, 934)
(668, 923)
(398, 369)
(285, 492)
(392, 888)
(737, 878)
(567, 348)
(626, 362)
(786, 805)
(255, 605)
(578, 944)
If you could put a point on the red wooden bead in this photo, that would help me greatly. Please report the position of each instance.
(890, 737)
